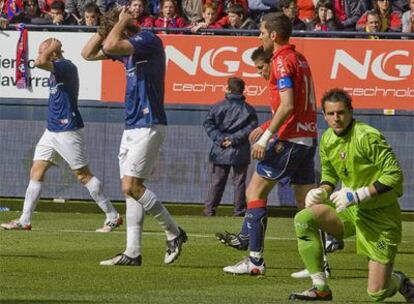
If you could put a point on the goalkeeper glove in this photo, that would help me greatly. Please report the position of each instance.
(346, 197)
(315, 196)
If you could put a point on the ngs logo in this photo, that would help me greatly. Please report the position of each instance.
(211, 62)
(376, 64)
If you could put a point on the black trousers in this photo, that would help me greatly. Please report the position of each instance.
(218, 179)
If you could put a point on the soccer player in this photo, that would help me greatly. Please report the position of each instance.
(240, 241)
(358, 156)
(143, 56)
(291, 155)
(63, 136)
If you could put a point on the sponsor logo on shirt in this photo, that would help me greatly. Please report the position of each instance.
(131, 72)
(268, 172)
(145, 111)
(280, 66)
(64, 121)
(53, 90)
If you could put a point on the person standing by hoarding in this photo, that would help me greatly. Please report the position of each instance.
(228, 124)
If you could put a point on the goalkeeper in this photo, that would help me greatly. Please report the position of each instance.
(358, 156)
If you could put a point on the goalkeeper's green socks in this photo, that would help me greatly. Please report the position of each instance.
(310, 247)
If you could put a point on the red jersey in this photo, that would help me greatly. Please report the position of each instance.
(290, 70)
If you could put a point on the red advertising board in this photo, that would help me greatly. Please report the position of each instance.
(379, 74)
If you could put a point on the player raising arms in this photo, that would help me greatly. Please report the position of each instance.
(358, 156)
(63, 136)
(143, 56)
(291, 155)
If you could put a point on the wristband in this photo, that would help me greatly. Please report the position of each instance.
(264, 138)
(362, 194)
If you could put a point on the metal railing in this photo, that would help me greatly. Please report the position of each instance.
(225, 32)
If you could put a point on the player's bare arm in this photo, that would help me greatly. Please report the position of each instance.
(49, 51)
(283, 112)
(93, 49)
(115, 44)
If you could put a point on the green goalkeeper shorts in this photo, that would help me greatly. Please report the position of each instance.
(377, 231)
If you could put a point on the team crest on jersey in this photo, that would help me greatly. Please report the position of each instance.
(279, 147)
(342, 155)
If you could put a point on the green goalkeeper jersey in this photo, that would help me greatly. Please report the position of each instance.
(358, 158)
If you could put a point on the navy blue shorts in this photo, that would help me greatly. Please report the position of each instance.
(285, 160)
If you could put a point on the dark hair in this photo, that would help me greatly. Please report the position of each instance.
(236, 9)
(324, 3)
(285, 3)
(235, 85)
(279, 23)
(58, 5)
(261, 54)
(26, 6)
(375, 6)
(337, 95)
(91, 7)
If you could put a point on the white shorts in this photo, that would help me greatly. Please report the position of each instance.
(139, 151)
(69, 145)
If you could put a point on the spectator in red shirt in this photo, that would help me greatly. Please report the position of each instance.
(168, 16)
(137, 10)
(209, 19)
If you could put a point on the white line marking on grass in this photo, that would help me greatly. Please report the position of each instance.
(272, 238)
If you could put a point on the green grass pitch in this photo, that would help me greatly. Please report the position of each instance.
(58, 262)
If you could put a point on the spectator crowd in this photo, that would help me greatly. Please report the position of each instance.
(306, 15)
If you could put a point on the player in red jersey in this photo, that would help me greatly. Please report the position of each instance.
(290, 155)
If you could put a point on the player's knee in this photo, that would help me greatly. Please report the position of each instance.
(304, 220)
(378, 296)
(83, 175)
(133, 190)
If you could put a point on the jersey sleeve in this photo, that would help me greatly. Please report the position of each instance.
(328, 171)
(145, 44)
(380, 153)
(283, 73)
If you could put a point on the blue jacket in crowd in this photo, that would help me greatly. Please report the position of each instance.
(235, 119)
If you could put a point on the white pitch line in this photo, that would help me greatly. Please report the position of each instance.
(272, 238)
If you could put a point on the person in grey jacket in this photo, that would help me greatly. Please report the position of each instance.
(228, 124)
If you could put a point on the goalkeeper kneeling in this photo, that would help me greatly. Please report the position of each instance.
(358, 156)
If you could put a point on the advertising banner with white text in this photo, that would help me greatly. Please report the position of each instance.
(379, 74)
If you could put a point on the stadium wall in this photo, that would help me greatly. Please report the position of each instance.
(378, 75)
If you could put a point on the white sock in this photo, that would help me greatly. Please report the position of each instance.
(154, 207)
(95, 189)
(30, 201)
(135, 220)
(319, 278)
